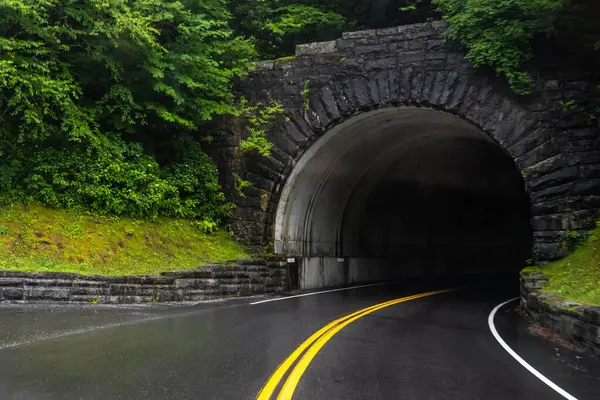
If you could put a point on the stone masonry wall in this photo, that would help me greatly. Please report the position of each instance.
(242, 278)
(555, 147)
(575, 322)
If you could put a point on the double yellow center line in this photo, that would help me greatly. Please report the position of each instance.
(311, 347)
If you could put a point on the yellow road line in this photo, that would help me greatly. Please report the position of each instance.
(292, 381)
(271, 385)
(319, 339)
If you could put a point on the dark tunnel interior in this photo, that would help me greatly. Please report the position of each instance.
(447, 202)
(406, 192)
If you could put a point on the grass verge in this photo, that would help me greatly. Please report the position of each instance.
(577, 276)
(34, 238)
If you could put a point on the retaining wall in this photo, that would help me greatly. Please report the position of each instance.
(578, 323)
(240, 278)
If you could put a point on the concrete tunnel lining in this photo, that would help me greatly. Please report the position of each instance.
(330, 186)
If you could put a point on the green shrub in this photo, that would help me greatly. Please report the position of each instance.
(119, 178)
(501, 33)
(87, 88)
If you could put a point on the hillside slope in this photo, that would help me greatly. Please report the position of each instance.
(35, 238)
(577, 276)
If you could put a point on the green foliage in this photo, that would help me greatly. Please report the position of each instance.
(567, 106)
(3, 230)
(501, 33)
(577, 276)
(573, 240)
(305, 93)
(87, 86)
(278, 25)
(43, 239)
(260, 116)
(241, 185)
(286, 59)
(529, 262)
(119, 178)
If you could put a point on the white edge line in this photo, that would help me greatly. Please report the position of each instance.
(518, 358)
(321, 292)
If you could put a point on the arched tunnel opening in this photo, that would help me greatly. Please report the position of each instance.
(403, 192)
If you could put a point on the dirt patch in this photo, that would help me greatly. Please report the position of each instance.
(543, 332)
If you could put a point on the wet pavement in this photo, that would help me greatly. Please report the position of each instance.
(439, 347)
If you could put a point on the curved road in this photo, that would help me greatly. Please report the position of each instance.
(435, 347)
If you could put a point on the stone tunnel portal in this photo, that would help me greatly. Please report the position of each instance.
(401, 192)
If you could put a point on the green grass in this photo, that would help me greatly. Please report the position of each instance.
(34, 238)
(577, 277)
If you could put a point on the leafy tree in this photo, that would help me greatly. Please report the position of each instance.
(81, 80)
(278, 25)
(501, 33)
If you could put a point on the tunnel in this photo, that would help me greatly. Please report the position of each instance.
(403, 192)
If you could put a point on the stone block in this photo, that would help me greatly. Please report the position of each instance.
(11, 282)
(316, 48)
(375, 50)
(359, 34)
(264, 65)
(411, 57)
(11, 293)
(387, 31)
(380, 63)
(46, 293)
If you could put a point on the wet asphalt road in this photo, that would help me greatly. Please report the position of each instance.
(438, 347)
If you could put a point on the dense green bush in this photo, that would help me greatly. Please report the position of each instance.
(277, 26)
(117, 178)
(87, 85)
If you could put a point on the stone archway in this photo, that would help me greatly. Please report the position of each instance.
(404, 68)
(346, 213)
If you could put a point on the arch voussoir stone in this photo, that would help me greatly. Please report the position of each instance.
(315, 114)
(330, 104)
(449, 87)
(427, 89)
(460, 91)
(383, 81)
(437, 90)
(416, 85)
(373, 91)
(494, 112)
(361, 93)
(530, 142)
(344, 95)
(469, 99)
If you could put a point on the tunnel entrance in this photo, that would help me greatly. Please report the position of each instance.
(403, 192)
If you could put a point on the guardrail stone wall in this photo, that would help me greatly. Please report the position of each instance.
(239, 278)
(578, 323)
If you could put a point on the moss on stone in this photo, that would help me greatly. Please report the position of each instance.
(577, 276)
(286, 59)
